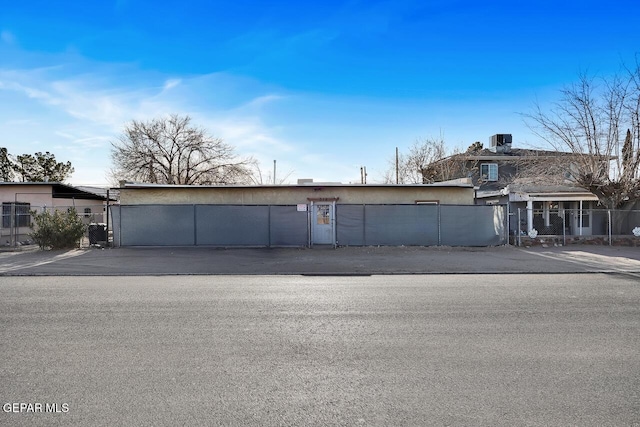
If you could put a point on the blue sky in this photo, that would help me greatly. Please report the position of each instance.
(322, 87)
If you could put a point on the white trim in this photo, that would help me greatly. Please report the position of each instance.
(552, 197)
(485, 194)
(489, 175)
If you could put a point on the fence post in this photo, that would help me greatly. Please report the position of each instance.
(507, 220)
(107, 211)
(609, 214)
(364, 225)
(309, 211)
(120, 225)
(439, 227)
(334, 219)
(14, 230)
(269, 227)
(564, 228)
(505, 224)
(519, 229)
(195, 226)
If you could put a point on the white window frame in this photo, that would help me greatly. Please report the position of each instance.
(492, 171)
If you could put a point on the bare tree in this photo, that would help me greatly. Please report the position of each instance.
(421, 165)
(598, 122)
(258, 177)
(172, 151)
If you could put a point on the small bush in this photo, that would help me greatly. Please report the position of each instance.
(57, 230)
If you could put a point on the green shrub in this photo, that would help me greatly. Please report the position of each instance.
(57, 230)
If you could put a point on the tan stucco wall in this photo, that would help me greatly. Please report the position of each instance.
(295, 195)
(36, 195)
(39, 196)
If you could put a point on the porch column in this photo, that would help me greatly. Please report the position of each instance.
(580, 218)
(545, 213)
(529, 215)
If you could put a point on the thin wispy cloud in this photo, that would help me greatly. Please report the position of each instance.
(263, 101)
(83, 142)
(95, 111)
(30, 92)
(171, 83)
(322, 88)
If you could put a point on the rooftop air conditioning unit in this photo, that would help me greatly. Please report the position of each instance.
(501, 143)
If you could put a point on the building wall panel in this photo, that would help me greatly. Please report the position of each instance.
(288, 227)
(157, 225)
(232, 225)
(394, 225)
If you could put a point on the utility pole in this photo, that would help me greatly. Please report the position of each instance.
(274, 172)
(363, 174)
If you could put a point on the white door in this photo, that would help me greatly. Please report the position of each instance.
(582, 219)
(322, 224)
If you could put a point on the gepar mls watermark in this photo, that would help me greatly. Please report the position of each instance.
(35, 408)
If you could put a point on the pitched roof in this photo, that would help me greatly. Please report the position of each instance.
(519, 153)
(513, 153)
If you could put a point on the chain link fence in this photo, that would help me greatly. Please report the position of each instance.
(17, 222)
(597, 226)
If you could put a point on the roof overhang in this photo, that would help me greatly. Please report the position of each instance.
(58, 190)
(538, 195)
(145, 186)
(552, 197)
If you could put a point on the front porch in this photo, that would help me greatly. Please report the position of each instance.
(551, 223)
(562, 215)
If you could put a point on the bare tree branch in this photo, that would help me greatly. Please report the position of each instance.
(172, 151)
(422, 164)
(600, 126)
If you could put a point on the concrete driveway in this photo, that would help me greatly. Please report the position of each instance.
(340, 261)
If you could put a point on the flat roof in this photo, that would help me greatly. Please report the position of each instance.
(60, 190)
(308, 185)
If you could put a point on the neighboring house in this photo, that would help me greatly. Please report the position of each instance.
(20, 198)
(307, 214)
(535, 181)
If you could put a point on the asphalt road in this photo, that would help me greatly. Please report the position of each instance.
(488, 350)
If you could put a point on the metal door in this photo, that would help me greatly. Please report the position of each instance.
(322, 224)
